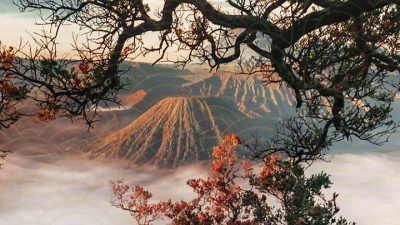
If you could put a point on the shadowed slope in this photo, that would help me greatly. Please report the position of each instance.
(246, 92)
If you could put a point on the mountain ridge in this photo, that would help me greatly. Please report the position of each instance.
(247, 92)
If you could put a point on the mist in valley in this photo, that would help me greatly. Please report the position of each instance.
(52, 189)
(48, 181)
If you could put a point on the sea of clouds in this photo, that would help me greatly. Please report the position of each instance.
(70, 191)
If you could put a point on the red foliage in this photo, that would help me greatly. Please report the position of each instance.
(224, 199)
(7, 57)
(46, 113)
(8, 88)
(84, 68)
(219, 198)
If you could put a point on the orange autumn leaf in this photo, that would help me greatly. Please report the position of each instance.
(84, 68)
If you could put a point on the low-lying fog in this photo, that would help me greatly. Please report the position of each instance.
(71, 191)
(40, 188)
(75, 192)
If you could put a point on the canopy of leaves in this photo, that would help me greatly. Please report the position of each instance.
(275, 192)
(338, 56)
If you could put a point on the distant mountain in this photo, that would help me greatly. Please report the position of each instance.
(179, 115)
(177, 130)
(247, 93)
(150, 84)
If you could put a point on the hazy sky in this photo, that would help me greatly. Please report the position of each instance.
(17, 27)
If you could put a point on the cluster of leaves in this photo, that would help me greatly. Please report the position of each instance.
(56, 86)
(11, 91)
(275, 192)
(344, 75)
(338, 57)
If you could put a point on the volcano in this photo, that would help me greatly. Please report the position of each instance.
(175, 131)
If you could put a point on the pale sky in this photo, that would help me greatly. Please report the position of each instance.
(18, 27)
